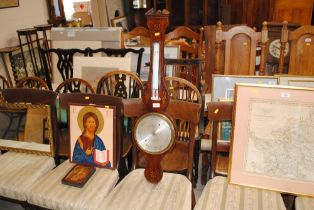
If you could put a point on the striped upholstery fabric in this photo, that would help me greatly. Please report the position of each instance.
(49, 192)
(218, 194)
(134, 192)
(19, 171)
(304, 203)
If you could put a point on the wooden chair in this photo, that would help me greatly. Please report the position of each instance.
(120, 83)
(218, 194)
(19, 169)
(301, 50)
(181, 89)
(141, 32)
(32, 82)
(48, 192)
(217, 113)
(64, 62)
(189, 69)
(123, 84)
(119, 53)
(75, 85)
(190, 42)
(4, 83)
(210, 51)
(174, 191)
(240, 50)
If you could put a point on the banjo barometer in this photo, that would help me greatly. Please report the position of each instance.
(154, 132)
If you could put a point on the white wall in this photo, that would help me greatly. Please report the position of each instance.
(28, 14)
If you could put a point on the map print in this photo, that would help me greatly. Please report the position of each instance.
(281, 139)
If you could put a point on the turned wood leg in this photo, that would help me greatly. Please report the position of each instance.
(205, 167)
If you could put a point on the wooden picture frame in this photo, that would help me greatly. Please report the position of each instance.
(9, 3)
(32, 127)
(93, 68)
(301, 83)
(284, 79)
(223, 85)
(120, 22)
(272, 143)
(100, 151)
(13, 61)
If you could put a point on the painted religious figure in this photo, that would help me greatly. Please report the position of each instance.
(93, 145)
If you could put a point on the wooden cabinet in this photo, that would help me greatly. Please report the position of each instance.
(293, 11)
(191, 13)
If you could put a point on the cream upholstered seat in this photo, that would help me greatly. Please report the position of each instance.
(13, 165)
(304, 203)
(218, 194)
(49, 192)
(136, 193)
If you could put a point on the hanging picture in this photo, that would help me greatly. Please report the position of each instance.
(92, 135)
(8, 3)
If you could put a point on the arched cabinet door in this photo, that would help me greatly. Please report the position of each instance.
(56, 12)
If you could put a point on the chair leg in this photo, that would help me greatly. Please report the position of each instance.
(197, 150)
(205, 167)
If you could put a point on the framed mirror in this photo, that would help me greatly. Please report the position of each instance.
(56, 12)
(26, 128)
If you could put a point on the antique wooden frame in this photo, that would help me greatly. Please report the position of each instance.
(227, 82)
(96, 67)
(107, 134)
(9, 3)
(29, 147)
(272, 145)
(283, 79)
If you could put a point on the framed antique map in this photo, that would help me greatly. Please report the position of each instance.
(272, 145)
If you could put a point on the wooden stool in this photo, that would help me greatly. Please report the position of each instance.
(44, 28)
(31, 37)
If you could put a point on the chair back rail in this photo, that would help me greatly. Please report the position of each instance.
(240, 43)
(32, 82)
(75, 85)
(301, 50)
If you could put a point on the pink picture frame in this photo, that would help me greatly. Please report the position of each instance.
(272, 144)
(92, 134)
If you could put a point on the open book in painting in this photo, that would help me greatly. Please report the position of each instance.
(101, 157)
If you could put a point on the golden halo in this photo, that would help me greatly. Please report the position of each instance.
(93, 109)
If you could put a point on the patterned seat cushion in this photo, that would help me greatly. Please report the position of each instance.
(49, 192)
(19, 171)
(218, 194)
(304, 203)
(135, 192)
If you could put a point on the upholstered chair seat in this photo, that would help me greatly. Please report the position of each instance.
(136, 193)
(218, 194)
(304, 203)
(19, 171)
(50, 193)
